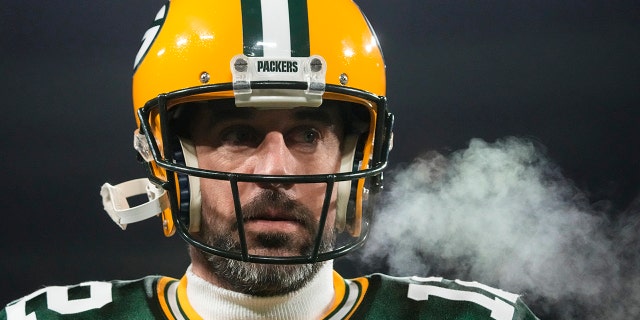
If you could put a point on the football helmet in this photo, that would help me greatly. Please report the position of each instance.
(264, 55)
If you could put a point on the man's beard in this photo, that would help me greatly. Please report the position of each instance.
(266, 279)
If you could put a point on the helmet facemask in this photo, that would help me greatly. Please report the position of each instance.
(196, 52)
(358, 178)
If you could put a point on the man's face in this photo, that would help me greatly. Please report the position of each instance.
(279, 219)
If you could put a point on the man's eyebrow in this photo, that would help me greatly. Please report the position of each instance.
(231, 113)
(316, 114)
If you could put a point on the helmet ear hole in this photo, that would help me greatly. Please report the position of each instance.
(182, 181)
(353, 217)
(357, 120)
(354, 210)
(345, 189)
(189, 196)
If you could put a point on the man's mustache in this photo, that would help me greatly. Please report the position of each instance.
(276, 205)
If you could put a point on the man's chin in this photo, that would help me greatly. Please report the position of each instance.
(278, 244)
(260, 279)
(278, 252)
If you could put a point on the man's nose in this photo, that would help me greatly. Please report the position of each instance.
(273, 157)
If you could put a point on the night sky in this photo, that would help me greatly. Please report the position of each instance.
(563, 73)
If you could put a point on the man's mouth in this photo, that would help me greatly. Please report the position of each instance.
(267, 223)
(274, 213)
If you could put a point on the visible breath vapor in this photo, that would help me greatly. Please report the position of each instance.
(502, 214)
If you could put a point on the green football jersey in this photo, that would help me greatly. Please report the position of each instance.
(386, 297)
(372, 297)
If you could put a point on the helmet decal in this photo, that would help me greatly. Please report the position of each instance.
(150, 35)
(279, 30)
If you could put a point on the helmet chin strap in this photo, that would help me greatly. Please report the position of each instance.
(114, 200)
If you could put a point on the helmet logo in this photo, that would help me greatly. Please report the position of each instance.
(150, 35)
(277, 66)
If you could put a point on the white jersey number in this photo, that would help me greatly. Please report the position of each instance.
(500, 310)
(58, 300)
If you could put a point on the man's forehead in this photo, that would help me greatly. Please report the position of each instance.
(226, 110)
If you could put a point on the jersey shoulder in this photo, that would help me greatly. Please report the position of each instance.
(390, 297)
(118, 299)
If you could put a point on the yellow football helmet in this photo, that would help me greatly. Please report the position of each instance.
(275, 54)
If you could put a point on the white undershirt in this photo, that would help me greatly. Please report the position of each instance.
(310, 302)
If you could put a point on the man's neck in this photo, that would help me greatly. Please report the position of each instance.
(214, 302)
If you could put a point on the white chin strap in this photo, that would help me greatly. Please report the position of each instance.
(114, 200)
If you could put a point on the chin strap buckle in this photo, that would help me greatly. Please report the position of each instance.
(114, 200)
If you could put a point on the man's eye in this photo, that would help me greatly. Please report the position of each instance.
(305, 135)
(239, 136)
(310, 136)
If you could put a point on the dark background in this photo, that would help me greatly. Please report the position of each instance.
(565, 73)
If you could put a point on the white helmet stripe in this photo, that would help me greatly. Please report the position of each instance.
(276, 32)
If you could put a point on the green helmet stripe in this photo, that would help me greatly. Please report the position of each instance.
(252, 28)
(299, 28)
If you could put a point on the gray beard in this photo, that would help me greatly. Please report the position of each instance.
(263, 279)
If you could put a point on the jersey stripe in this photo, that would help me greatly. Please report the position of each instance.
(172, 295)
(350, 293)
(351, 297)
(183, 301)
(162, 296)
(172, 299)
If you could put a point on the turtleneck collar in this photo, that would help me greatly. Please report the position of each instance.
(310, 302)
